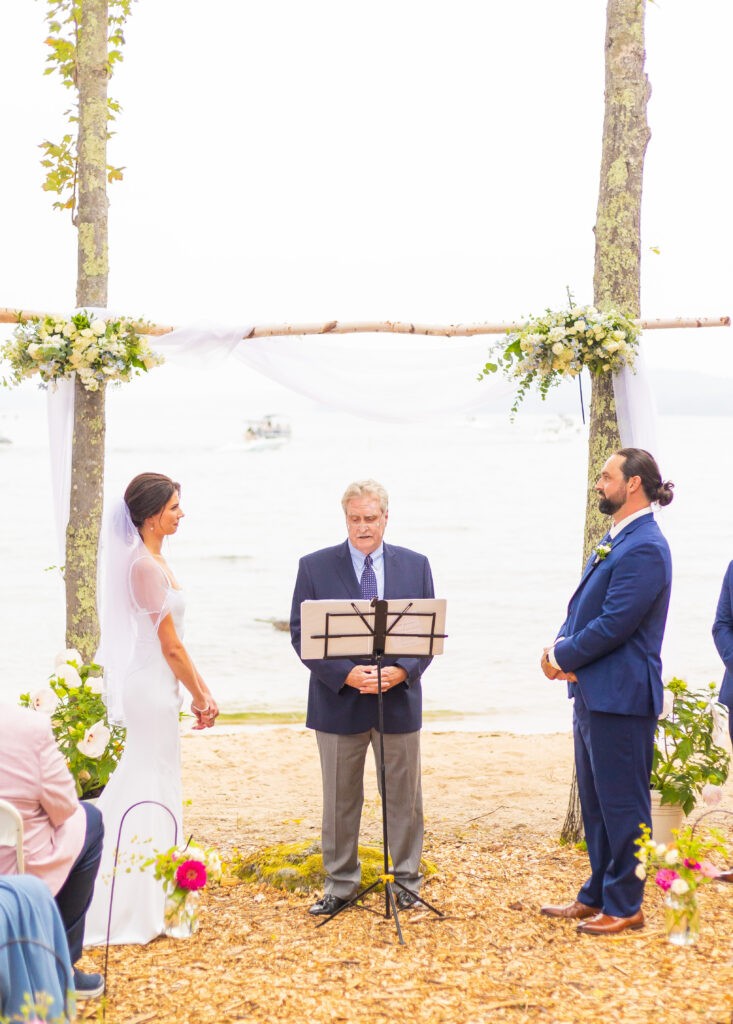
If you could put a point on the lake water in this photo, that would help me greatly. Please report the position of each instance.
(498, 508)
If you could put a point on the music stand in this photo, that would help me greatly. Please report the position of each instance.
(363, 629)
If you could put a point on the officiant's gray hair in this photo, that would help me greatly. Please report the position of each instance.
(361, 488)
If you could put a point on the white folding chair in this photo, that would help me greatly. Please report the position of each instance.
(11, 831)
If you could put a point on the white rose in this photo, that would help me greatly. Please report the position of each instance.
(68, 675)
(87, 333)
(679, 887)
(71, 654)
(69, 330)
(95, 740)
(667, 703)
(661, 849)
(611, 346)
(99, 327)
(671, 857)
(558, 348)
(640, 871)
(45, 700)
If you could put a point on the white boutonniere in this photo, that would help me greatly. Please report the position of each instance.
(601, 551)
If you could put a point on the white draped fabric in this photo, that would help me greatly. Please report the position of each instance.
(389, 377)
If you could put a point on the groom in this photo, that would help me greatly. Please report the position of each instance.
(342, 701)
(609, 651)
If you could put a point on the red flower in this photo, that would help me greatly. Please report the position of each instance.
(191, 875)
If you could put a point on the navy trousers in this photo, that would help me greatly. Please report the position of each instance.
(613, 762)
(75, 895)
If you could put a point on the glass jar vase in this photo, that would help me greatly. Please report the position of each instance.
(682, 919)
(181, 912)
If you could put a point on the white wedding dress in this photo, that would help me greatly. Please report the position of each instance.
(149, 769)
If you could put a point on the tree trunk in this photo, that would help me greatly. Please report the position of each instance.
(617, 273)
(87, 468)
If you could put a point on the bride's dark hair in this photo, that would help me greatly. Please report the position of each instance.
(148, 494)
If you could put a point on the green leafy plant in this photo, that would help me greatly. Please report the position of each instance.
(64, 24)
(98, 351)
(557, 345)
(73, 699)
(687, 756)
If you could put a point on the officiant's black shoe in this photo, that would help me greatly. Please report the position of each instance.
(327, 904)
(405, 900)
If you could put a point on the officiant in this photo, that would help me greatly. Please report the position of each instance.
(342, 700)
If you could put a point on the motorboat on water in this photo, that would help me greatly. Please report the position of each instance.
(271, 431)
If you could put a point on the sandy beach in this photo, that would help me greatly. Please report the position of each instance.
(257, 786)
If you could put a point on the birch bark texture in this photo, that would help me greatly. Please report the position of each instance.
(617, 270)
(87, 466)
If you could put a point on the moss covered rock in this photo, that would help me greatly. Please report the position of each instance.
(298, 867)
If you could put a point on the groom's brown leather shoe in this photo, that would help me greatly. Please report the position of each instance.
(724, 876)
(605, 924)
(572, 911)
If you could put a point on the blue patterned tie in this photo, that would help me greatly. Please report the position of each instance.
(368, 580)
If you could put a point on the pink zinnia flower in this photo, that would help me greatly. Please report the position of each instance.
(692, 864)
(191, 875)
(665, 877)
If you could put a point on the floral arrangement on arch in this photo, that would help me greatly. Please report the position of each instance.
(556, 345)
(98, 351)
(184, 872)
(73, 699)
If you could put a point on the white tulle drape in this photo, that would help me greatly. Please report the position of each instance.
(389, 377)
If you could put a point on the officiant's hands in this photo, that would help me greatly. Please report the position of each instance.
(555, 673)
(364, 678)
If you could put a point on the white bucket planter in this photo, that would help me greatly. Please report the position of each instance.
(665, 818)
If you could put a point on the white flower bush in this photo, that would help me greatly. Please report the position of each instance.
(558, 345)
(98, 351)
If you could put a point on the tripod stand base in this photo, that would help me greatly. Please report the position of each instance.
(390, 903)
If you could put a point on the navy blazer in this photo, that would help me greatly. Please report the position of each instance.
(616, 621)
(723, 635)
(329, 574)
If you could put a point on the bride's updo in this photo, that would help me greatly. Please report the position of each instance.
(148, 494)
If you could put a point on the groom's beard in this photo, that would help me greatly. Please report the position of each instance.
(609, 507)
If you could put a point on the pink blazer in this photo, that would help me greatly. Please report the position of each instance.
(35, 779)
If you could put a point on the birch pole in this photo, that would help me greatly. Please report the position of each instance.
(617, 271)
(87, 467)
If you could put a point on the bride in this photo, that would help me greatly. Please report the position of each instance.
(144, 659)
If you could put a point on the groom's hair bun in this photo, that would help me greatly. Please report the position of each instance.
(638, 462)
(148, 494)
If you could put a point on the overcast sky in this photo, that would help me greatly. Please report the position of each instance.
(426, 161)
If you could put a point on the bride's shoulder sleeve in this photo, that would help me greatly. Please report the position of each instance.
(149, 587)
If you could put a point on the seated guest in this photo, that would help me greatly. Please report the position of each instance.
(38, 967)
(62, 838)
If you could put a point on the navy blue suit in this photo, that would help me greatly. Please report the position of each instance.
(328, 574)
(612, 642)
(723, 636)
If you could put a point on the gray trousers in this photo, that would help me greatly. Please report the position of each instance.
(342, 772)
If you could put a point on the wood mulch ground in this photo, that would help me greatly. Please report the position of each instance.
(259, 957)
